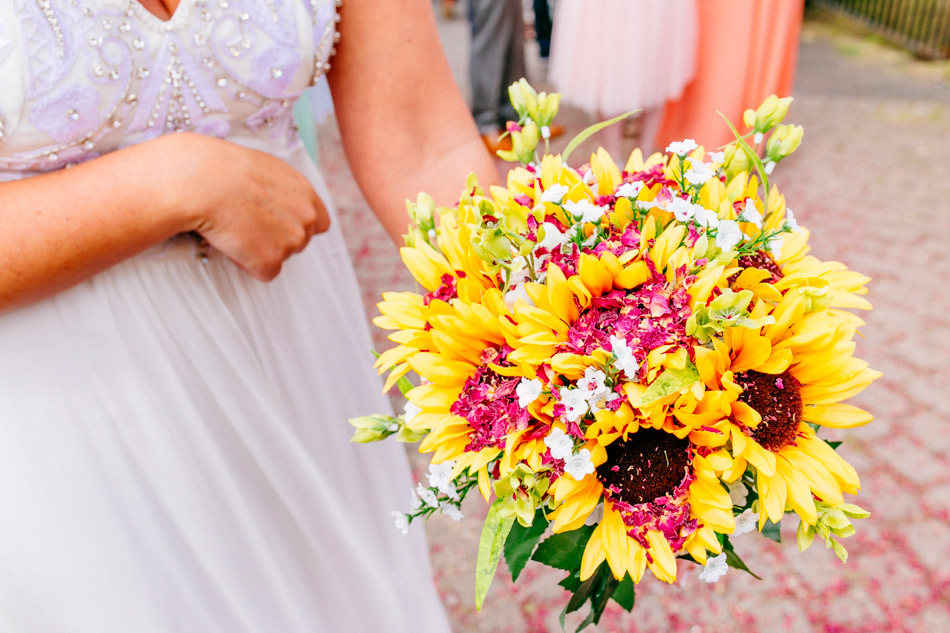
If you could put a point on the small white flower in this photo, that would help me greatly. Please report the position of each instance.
(681, 209)
(593, 383)
(579, 465)
(699, 173)
(738, 493)
(545, 132)
(746, 522)
(683, 147)
(751, 214)
(590, 178)
(452, 512)
(774, 245)
(560, 443)
(629, 189)
(769, 167)
(625, 361)
(790, 222)
(428, 497)
(401, 521)
(706, 217)
(716, 157)
(518, 292)
(728, 234)
(586, 210)
(552, 237)
(410, 411)
(575, 403)
(716, 567)
(554, 193)
(440, 474)
(393, 427)
(528, 391)
(758, 137)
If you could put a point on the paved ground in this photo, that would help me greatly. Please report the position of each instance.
(871, 182)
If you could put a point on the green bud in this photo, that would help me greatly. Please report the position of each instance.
(549, 106)
(372, 428)
(422, 212)
(735, 161)
(768, 115)
(492, 246)
(784, 140)
(816, 299)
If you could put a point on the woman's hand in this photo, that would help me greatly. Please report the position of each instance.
(66, 226)
(251, 206)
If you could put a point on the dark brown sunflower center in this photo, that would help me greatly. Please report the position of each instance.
(778, 399)
(762, 261)
(649, 465)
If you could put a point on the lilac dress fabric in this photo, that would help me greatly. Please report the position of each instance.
(174, 450)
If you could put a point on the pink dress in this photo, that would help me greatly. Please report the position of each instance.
(612, 56)
(747, 51)
(174, 451)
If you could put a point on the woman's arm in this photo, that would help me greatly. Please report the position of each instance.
(404, 125)
(64, 227)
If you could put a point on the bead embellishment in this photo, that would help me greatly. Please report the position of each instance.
(214, 65)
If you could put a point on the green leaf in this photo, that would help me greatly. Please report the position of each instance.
(671, 381)
(834, 445)
(404, 385)
(590, 131)
(753, 157)
(733, 560)
(565, 550)
(772, 531)
(625, 594)
(494, 533)
(521, 543)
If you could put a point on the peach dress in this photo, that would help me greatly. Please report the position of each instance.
(747, 51)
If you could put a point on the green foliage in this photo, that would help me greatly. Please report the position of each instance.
(522, 542)
(492, 542)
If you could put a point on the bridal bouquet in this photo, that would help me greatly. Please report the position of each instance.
(631, 364)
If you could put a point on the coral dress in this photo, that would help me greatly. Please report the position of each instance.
(612, 56)
(174, 448)
(747, 51)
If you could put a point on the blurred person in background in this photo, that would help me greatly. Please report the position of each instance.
(614, 56)
(497, 61)
(747, 51)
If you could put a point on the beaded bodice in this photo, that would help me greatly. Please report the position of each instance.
(78, 79)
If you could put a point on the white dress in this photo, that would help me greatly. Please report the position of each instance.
(174, 449)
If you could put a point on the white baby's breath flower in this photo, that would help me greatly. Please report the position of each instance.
(590, 178)
(593, 383)
(790, 223)
(410, 411)
(681, 209)
(401, 521)
(774, 245)
(518, 292)
(728, 234)
(575, 403)
(716, 567)
(706, 217)
(625, 361)
(555, 193)
(681, 148)
(528, 391)
(699, 173)
(750, 213)
(545, 132)
(629, 189)
(746, 522)
(738, 493)
(452, 512)
(769, 167)
(440, 474)
(579, 465)
(428, 497)
(560, 443)
(586, 210)
(552, 237)
(716, 157)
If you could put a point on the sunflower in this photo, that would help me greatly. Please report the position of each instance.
(661, 499)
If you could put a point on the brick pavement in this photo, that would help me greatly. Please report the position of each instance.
(871, 182)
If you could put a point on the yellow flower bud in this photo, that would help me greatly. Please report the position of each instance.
(735, 161)
(784, 140)
(769, 114)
